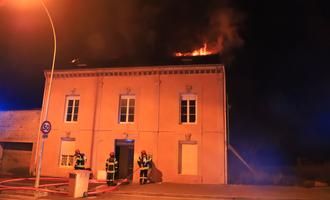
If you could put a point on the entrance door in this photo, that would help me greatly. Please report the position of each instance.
(125, 156)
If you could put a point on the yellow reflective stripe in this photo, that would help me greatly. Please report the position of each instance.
(144, 168)
(111, 171)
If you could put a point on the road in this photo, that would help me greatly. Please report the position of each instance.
(173, 191)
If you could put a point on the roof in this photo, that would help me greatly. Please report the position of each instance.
(131, 62)
(139, 71)
(182, 65)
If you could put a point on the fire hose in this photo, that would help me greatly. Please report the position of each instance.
(110, 189)
(43, 187)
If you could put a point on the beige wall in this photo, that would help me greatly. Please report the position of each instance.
(157, 127)
(21, 126)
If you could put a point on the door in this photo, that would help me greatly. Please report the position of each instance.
(124, 151)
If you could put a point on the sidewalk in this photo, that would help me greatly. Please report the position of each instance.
(193, 191)
(224, 191)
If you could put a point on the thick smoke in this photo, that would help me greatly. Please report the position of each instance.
(146, 29)
(225, 28)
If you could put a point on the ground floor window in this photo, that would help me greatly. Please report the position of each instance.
(188, 158)
(67, 152)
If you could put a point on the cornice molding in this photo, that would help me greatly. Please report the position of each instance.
(137, 71)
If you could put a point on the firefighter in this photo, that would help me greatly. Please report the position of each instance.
(111, 166)
(145, 164)
(149, 160)
(149, 157)
(79, 160)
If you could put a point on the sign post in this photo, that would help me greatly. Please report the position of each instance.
(36, 184)
(45, 128)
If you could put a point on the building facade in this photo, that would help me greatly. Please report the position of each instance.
(18, 136)
(175, 113)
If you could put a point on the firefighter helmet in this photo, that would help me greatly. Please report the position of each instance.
(77, 151)
(112, 154)
(143, 152)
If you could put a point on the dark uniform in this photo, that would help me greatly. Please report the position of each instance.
(111, 167)
(144, 163)
(79, 160)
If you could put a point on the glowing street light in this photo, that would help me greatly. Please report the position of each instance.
(36, 185)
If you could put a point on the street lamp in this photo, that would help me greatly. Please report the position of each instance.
(37, 180)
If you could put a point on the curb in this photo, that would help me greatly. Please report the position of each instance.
(198, 196)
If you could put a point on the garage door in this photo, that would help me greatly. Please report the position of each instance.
(16, 158)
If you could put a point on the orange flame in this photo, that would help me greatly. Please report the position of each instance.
(203, 51)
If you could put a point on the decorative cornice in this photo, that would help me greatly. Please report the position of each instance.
(137, 71)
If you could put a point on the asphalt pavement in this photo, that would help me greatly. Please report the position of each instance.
(191, 191)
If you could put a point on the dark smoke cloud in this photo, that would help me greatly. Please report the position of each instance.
(225, 25)
(145, 29)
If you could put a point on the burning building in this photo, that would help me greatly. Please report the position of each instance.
(177, 113)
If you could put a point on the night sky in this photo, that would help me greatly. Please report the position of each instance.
(276, 55)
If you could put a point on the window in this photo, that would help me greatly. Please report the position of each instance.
(188, 108)
(72, 107)
(67, 152)
(126, 108)
(188, 159)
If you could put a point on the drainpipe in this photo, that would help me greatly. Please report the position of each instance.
(225, 121)
(99, 85)
(202, 133)
(158, 116)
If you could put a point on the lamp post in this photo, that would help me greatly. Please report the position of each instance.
(37, 180)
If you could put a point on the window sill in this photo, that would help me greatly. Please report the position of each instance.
(185, 123)
(70, 122)
(129, 123)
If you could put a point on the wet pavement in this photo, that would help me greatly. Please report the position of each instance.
(197, 191)
(190, 191)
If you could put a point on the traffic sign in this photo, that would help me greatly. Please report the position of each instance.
(46, 127)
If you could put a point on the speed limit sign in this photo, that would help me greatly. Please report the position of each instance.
(46, 127)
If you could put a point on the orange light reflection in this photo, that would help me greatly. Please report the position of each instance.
(203, 51)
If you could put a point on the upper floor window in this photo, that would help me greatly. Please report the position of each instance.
(126, 108)
(72, 108)
(188, 107)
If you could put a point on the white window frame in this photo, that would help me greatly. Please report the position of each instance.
(69, 163)
(188, 97)
(128, 98)
(67, 99)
